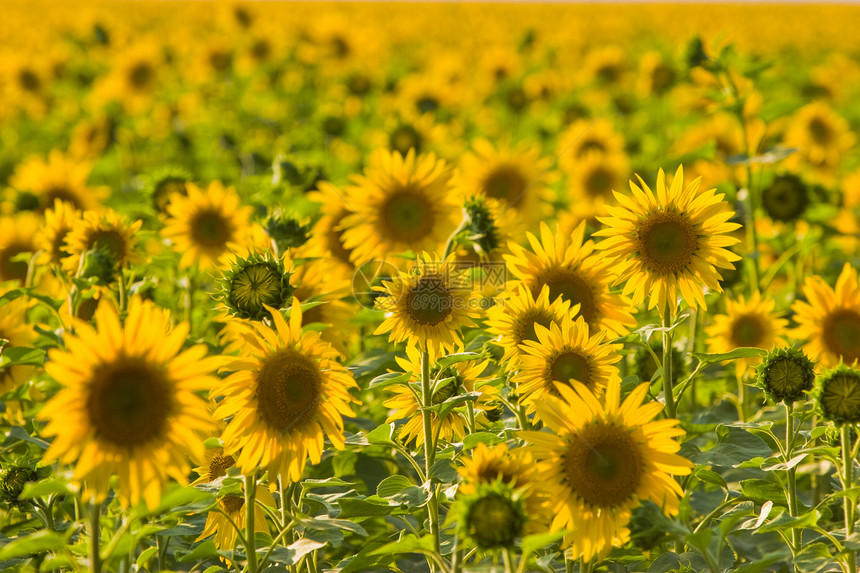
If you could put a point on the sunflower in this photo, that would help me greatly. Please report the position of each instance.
(18, 235)
(601, 459)
(59, 177)
(286, 390)
(215, 465)
(656, 75)
(326, 236)
(751, 324)
(822, 137)
(516, 176)
(251, 284)
(428, 306)
(59, 222)
(673, 241)
(830, 320)
(206, 225)
(401, 204)
(130, 405)
(564, 353)
(465, 376)
(491, 518)
(134, 78)
(516, 314)
(837, 395)
(314, 282)
(585, 136)
(15, 331)
(590, 186)
(567, 265)
(102, 230)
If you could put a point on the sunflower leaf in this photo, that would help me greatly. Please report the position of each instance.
(451, 359)
(409, 543)
(390, 378)
(743, 352)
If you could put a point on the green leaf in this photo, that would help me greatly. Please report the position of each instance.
(311, 483)
(384, 434)
(734, 446)
(292, 554)
(451, 359)
(20, 433)
(705, 475)
(20, 355)
(351, 508)
(442, 410)
(146, 555)
(393, 485)
(743, 352)
(39, 542)
(785, 521)
(409, 543)
(763, 562)
(472, 440)
(443, 471)
(19, 292)
(205, 550)
(776, 465)
(390, 378)
(45, 488)
(761, 491)
(533, 543)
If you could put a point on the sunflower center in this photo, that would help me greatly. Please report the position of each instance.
(598, 183)
(63, 194)
(667, 242)
(254, 286)
(820, 131)
(405, 138)
(29, 81)
(14, 270)
(569, 366)
(141, 75)
(589, 145)
(220, 60)
(786, 199)
(490, 472)
(407, 215)
(211, 230)
(427, 103)
(570, 286)
(840, 397)
(110, 241)
(429, 301)
(748, 330)
(219, 464)
(526, 328)
(231, 503)
(165, 189)
(129, 402)
(842, 334)
(289, 387)
(58, 245)
(505, 183)
(603, 465)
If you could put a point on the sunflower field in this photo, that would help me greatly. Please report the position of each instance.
(316, 287)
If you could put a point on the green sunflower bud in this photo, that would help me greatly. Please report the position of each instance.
(287, 231)
(13, 481)
(254, 283)
(493, 517)
(837, 395)
(785, 375)
(482, 228)
(786, 198)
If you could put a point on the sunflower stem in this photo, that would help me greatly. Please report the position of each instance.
(667, 366)
(429, 444)
(95, 520)
(189, 300)
(250, 510)
(848, 483)
(792, 477)
(742, 399)
(123, 292)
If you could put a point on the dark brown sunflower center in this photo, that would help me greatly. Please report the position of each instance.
(211, 230)
(29, 81)
(667, 243)
(429, 301)
(289, 387)
(405, 138)
(63, 194)
(110, 241)
(220, 60)
(820, 131)
(129, 402)
(748, 330)
(603, 464)
(569, 366)
(14, 270)
(526, 325)
(598, 183)
(165, 189)
(335, 239)
(231, 504)
(219, 464)
(141, 75)
(571, 286)
(842, 334)
(261, 49)
(407, 216)
(506, 183)
(589, 145)
(492, 471)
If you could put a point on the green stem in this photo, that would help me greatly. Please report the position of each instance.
(667, 366)
(848, 483)
(429, 445)
(742, 399)
(189, 301)
(250, 511)
(792, 477)
(123, 292)
(95, 518)
(506, 559)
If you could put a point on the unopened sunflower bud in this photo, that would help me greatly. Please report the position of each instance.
(785, 374)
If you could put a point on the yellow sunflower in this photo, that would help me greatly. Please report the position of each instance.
(206, 225)
(287, 390)
(18, 235)
(568, 266)
(564, 353)
(102, 230)
(59, 222)
(590, 187)
(427, 306)
(15, 331)
(401, 204)
(822, 137)
(516, 176)
(585, 136)
(466, 375)
(669, 242)
(215, 465)
(314, 282)
(750, 323)
(60, 177)
(516, 314)
(830, 320)
(130, 405)
(327, 236)
(601, 459)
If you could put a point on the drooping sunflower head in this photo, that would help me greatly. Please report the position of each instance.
(837, 395)
(206, 225)
(830, 320)
(252, 283)
(601, 459)
(428, 306)
(163, 183)
(401, 204)
(104, 233)
(59, 222)
(565, 353)
(484, 234)
(785, 374)
(130, 405)
(287, 231)
(669, 243)
(298, 391)
(493, 517)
